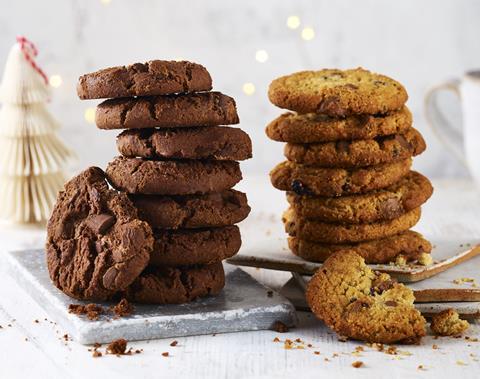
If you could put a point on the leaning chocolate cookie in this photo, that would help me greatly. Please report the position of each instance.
(96, 245)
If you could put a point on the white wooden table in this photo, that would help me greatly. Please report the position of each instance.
(38, 350)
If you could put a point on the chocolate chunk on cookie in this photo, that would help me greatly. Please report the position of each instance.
(410, 192)
(144, 79)
(167, 285)
(410, 245)
(311, 180)
(139, 176)
(337, 93)
(359, 303)
(187, 247)
(209, 142)
(96, 245)
(196, 109)
(313, 230)
(312, 127)
(192, 211)
(358, 153)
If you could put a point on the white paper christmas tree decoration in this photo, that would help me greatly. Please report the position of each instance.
(32, 156)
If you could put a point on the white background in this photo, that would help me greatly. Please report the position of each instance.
(420, 43)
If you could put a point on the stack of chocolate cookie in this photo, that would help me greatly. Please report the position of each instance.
(349, 150)
(178, 167)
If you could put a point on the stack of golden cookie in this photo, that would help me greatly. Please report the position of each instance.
(178, 165)
(349, 148)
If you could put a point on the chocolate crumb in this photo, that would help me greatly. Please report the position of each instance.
(270, 293)
(165, 354)
(117, 347)
(316, 352)
(36, 321)
(357, 364)
(174, 343)
(92, 311)
(123, 308)
(280, 327)
(96, 354)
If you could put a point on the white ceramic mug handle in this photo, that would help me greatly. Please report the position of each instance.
(450, 136)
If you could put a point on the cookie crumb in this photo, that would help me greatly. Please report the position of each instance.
(123, 308)
(448, 323)
(425, 259)
(269, 293)
(434, 347)
(421, 367)
(357, 364)
(316, 352)
(36, 321)
(165, 354)
(276, 339)
(174, 343)
(400, 260)
(279, 327)
(96, 353)
(117, 347)
(92, 311)
(461, 363)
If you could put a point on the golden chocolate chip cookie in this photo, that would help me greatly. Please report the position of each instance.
(337, 93)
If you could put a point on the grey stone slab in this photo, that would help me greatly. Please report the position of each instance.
(244, 304)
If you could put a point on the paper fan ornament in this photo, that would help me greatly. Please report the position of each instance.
(32, 156)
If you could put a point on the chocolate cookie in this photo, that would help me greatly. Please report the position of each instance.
(310, 180)
(192, 211)
(96, 245)
(139, 176)
(209, 142)
(385, 204)
(196, 109)
(359, 303)
(358, 153)
(187, 247)
(312, 127)
(337, 93)
(410, 245)
(144, 79)
(347, 233)
(167, 285)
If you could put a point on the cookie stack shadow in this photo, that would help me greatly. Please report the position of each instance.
(178, 165)
(349, 148)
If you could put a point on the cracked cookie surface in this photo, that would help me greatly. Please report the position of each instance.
(337, 93)
(187, 247)
(195, 109)
(385, 204)
(96, 245)
(168, 285)
(155, 77)
(359, 303)
(410, 245)
(313, 127)
(192, 211)
(358, 153)
(311, 180)
(313, 230)
(140, 176)
(208, 142)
